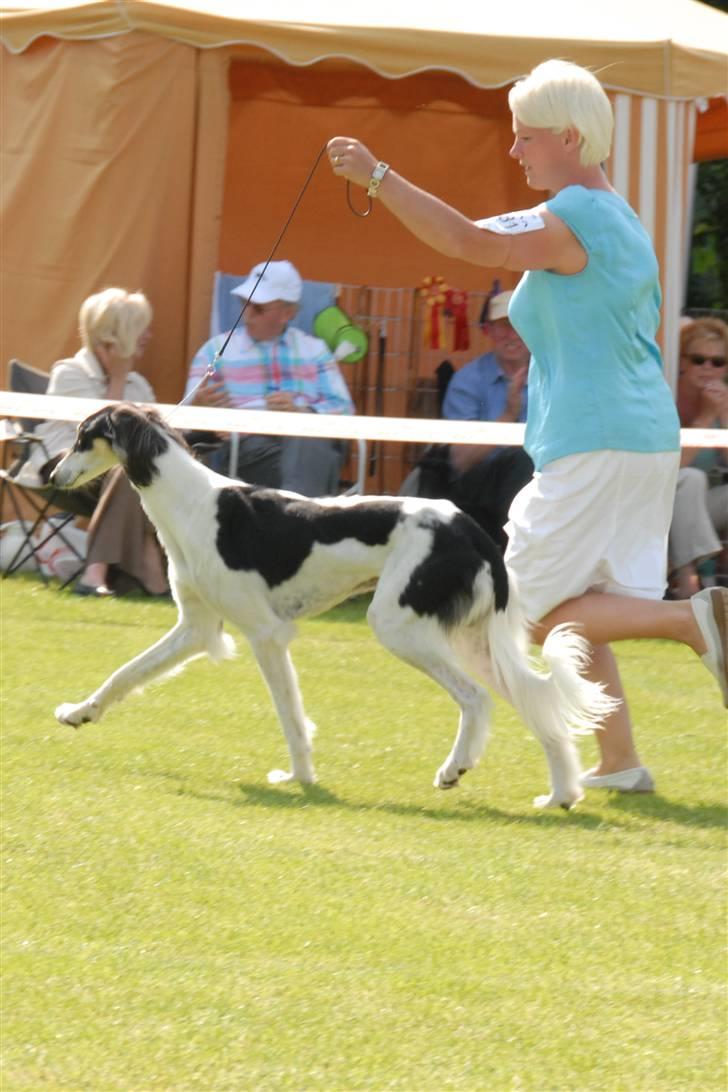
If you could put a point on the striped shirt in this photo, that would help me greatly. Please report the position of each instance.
(295, 362)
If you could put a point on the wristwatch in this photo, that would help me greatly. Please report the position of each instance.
(376, 180)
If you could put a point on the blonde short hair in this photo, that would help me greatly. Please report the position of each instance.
(114, 317)
(558, 95)
(703, 329)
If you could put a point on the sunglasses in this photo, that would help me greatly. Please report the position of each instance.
(698, 358)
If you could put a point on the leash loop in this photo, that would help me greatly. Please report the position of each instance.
(357, 212)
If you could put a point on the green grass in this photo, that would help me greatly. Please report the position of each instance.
(170, 921)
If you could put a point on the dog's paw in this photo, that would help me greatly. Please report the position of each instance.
(553, 801)
(74, 715)
(446, 778)
(281, 777)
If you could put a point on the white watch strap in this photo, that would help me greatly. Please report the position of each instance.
(376, 180)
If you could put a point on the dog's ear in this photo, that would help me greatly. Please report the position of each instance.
(107, 430)
(137, 441)
(119, 425)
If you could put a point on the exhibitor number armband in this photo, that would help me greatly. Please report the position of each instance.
(513, 223)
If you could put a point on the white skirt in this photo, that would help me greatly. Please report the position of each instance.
(597, 521)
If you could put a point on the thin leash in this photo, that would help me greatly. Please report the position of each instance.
(212, 367)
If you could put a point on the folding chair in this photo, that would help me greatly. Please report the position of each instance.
(24, 490)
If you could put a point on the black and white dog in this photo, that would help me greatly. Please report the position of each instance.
(261, 558)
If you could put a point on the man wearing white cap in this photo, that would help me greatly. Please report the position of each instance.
(485, 478)
(270, 364)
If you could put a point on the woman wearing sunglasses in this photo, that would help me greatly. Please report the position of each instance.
(700, 515)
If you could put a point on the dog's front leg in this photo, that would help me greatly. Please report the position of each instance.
(180, 644)
(279, 673)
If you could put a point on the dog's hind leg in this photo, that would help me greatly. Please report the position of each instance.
(198, 630)
(279, 673)
(422, 643)
(472, 734)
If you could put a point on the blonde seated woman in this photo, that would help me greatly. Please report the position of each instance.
(123, 553)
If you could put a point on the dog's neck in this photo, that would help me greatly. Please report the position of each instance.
(178, 489)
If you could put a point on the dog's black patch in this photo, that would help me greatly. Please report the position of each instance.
(261, 530)
(442, 584)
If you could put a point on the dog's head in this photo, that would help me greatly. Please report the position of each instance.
(123, 434)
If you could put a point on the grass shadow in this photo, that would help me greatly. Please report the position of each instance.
(304, 796)
(621, 807)
(655, 807)
(652, 806)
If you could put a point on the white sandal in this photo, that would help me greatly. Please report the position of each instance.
(710, 608)
(638, 779)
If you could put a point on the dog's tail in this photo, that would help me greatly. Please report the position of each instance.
(554, 699)
(554, 702)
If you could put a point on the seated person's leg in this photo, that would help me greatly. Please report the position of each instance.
(311, 466)
(430, 476)
(259, 460)
(717, 505)
(410, 487)
(123, 551)
(486, 491)
(692, 533)
(304, 465)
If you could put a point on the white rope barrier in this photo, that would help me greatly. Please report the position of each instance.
(417, 430)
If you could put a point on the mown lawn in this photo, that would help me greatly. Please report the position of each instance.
(171, 921)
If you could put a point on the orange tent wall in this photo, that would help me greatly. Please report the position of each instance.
(98, 144)
(444, 134)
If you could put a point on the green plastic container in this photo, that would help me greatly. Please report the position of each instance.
(334, 327)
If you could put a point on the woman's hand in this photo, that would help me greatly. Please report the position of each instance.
(116, 367)
(714, 402)
(351, 159)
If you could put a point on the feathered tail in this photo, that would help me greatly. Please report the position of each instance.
(555, 704)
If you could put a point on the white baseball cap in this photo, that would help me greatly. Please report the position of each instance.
(280, 281)
(498, 307)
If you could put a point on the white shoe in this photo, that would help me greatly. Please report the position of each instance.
(710, 608)
(638, 779)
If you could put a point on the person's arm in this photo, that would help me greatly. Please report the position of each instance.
(211, 390)
(139, 389)
(67, 380)
(550, 246)
(333, 393)
(322, 391)
(116, 368)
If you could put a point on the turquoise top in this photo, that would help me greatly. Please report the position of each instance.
(595, 381)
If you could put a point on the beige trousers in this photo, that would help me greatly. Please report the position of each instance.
(699, 520)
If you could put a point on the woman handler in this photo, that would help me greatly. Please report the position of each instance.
(588, 535)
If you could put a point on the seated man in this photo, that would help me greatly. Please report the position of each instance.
(483, 479)
(271, 365)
